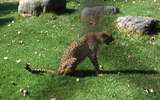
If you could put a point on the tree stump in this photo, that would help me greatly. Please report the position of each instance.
(138, 24)
(36, 7)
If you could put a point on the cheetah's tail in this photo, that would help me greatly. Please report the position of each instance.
(38, 70)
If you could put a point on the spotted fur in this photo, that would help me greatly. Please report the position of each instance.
(77, 51)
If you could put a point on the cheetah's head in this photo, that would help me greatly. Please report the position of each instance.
(104, 37)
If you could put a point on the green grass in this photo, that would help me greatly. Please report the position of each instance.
(131, 62)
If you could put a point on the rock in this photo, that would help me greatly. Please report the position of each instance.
(92, 17)
(138, 24)
(97, 11)
(36, 7)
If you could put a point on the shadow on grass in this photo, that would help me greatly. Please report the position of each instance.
(66, 11)
(125, 58)
(8, 7)
(4, 21)
(139, 74)
(88, 73)
(63, 88)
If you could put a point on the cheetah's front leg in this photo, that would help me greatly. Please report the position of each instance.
(93, 58)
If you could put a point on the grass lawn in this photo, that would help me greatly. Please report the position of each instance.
(132, 62)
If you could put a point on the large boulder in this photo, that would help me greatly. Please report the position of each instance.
(92, 17)
(35, 7)
(138, 24)
(97, 12)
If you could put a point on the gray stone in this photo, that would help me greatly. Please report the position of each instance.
(92, 17)
(138, 24)
(97, 12)
(35, 7)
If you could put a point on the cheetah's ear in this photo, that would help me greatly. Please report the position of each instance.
(104, 35)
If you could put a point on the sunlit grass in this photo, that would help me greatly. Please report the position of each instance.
(131, 62)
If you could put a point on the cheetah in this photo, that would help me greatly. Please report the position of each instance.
(77, 51)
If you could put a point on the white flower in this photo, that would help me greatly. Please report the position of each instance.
(41, 31)
(38, 40)
(54, 26)
(72, 28)
(133, 2)
(53, 98)
(18, 61)
(9, 24)
(46, 32)
(100, 66)
(35, 52)
(21, 42)
(8, 44)
(151, 90)
(146, 90)
(20, 90)
(13, 41)
(77, 79)
(12, 22)
(25, 92)
(5, 58)
(39, 55)
(19, 32)
(100, 75)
